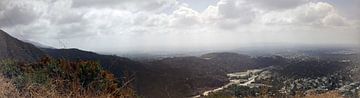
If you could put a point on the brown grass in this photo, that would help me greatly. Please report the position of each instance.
(331, 94)
(7, 89)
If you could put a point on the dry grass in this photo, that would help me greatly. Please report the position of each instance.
(7, 89)
(331, 94)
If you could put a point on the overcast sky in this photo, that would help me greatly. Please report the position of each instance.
(153, 25)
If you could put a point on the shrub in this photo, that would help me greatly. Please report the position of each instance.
(9, 69)
(89, 72)
(39, 77)
(20, 81)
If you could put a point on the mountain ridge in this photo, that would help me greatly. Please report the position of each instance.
(13, 48)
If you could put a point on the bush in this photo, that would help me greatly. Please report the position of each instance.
(89, 72)
(9, 69)
(20, 81)
(39, 77)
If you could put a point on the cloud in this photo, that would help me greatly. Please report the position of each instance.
(235, 11)
(184, 17)
(160, 24)
(133, 5)
(310, 14)
(277, 4)
(17, 12)
(229, 14)
(334, 20)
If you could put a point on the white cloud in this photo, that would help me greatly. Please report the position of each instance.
(334, 19)
(310, 14)
(185, 17)
(226, 14)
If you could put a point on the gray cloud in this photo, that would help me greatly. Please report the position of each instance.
(3, 5)
(235, 9)
(17, 15)
(133, 5)
(69, 18)
(277, 4)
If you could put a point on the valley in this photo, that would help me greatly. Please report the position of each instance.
(239, 78)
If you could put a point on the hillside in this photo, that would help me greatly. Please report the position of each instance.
(58, 78)
(114, 64)
(12, 48)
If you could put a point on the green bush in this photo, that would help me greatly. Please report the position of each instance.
(20, 81)
(89, 72)
(39, 77)
(22, 76)
(54, 69)
(9, 69)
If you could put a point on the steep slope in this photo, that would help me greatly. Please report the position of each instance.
(12, 48)
(113, 63)
(116, 65)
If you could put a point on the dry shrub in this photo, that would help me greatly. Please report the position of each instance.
(7, 89)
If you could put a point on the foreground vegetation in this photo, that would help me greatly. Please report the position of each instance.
(61, 78)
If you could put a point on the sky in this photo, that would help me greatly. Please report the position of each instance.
(157, 25)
